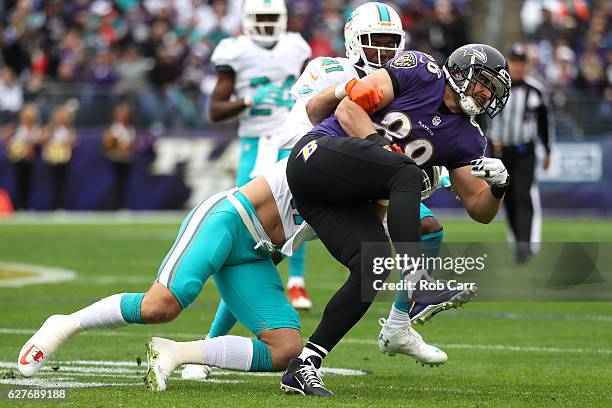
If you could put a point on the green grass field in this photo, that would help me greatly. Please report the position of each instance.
(500, 354)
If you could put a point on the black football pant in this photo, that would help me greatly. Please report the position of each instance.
(335, 184)
(520, 162)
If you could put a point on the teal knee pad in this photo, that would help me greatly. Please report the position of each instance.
(262, 358)
(130, 307)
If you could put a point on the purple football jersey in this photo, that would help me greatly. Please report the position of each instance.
(417, 120)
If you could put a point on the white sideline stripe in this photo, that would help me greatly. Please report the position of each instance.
(43, 274)
(186, 236)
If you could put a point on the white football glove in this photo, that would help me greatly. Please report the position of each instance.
(490, 170)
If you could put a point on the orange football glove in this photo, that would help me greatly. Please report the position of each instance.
(365, 95)
(395, 147)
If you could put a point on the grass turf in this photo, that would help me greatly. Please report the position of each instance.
(510, 354)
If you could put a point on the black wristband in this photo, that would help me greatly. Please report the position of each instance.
(378, 139)
(499, 191)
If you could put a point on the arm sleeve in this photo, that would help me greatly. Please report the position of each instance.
(545, 123)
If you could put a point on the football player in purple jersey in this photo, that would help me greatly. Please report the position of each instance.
(421, 116)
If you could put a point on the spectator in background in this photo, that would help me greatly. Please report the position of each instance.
(11, 95)
(217, 20)
(606, 104)
(71, 56)
(448, 30)
(132, 70)
(591, 74)
(23, 141)
(59, 138)
(560, 75)
(118, 142)
(548, 29)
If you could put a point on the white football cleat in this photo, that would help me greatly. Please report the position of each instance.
(161, 361)
(405, 340)
(195, 372)
(56, 330)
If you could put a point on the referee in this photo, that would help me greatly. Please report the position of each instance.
(512, 135)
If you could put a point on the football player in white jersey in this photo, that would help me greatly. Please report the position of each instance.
(255, 72)
(230, 237)
(373, 35)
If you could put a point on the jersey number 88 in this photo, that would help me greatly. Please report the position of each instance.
(397, 126)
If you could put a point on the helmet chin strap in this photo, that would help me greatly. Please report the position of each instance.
(468, 105)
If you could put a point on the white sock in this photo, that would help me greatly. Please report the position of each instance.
(296, 281)
(231, 352)
(307, 352)
(105, 313)
(397, 318)
(189, 352)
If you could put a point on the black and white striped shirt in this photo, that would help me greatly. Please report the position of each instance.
(527, 115)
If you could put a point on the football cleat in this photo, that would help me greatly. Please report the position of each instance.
(161, 363)
(302, 377)
(428, 303)
(405, 340)
(35, 353)
(298, 297)
(195, 372)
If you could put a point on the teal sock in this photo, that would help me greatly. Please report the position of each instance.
(130, 307)
(262, 358)
(297, 262)
(431, 244)
(224, 321)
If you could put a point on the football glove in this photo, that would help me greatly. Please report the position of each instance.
(490, 170)
(267, 95)
(365, 95)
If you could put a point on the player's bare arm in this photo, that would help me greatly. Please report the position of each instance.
(322, 105)
(475, 195)
(221, 107)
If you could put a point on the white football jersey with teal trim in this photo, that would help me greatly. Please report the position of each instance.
(256, 66)
(320, 73)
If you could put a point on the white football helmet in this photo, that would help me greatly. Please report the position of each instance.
(255, 30)
(371, 18)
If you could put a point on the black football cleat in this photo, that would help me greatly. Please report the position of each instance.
(302, 377)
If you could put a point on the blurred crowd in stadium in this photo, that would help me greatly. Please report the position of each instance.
(154, 54)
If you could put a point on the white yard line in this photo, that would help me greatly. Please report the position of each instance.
(458, 346)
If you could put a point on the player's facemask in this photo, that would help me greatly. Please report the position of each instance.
(499, 88)
(264, 28)
(368, 42)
